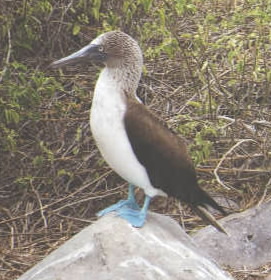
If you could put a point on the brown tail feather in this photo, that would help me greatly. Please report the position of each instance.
(205, 199)
(208, 217)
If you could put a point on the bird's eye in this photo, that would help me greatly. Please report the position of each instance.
(101, 49)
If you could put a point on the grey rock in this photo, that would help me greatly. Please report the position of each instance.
(112, 249)
(224, 202)
(248, 244)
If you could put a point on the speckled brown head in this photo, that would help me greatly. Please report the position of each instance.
(115, 49)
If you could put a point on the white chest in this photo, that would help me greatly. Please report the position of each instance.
(106, 118)
(107, 126)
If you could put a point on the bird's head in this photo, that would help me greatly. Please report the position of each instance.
(114, 49)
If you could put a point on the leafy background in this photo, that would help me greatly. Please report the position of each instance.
(207, 74)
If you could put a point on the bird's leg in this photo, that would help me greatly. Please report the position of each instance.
(129, 203)
(135, 217)
(131, 197)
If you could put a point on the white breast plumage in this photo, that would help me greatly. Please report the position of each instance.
(107, 126)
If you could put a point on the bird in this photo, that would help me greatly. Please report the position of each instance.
(135, 143)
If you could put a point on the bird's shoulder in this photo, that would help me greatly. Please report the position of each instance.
(146, 129)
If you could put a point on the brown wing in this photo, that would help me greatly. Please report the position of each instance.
(164, 155)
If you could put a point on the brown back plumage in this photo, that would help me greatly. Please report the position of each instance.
(165, 157)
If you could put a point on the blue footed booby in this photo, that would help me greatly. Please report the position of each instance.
(136, 144)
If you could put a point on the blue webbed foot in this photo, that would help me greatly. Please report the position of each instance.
(129, 209)
(127, 204)
(135, 217)
(130, 203)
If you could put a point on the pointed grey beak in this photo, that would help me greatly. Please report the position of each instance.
(86, 54)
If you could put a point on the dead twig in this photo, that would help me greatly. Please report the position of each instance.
(40, 204)
(225, 156)
(6, 63)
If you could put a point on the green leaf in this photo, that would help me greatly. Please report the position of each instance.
(11, 116)
(194, 104)
(38, 160)
(76, 29)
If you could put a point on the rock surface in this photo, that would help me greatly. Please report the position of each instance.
(112, 249)
(248, 244)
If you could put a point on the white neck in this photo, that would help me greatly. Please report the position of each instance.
(109, 85)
